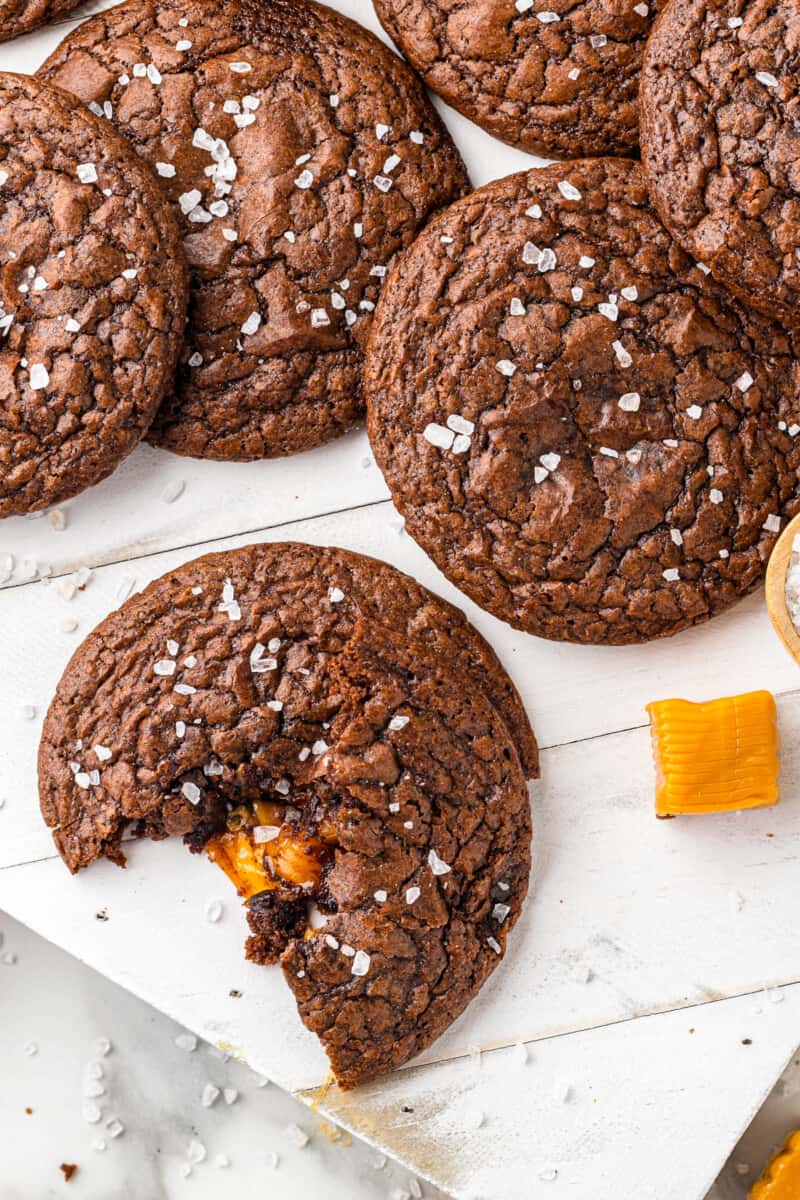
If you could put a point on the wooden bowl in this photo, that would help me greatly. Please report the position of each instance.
(776, 589)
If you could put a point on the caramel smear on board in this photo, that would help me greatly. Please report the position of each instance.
(259, 852)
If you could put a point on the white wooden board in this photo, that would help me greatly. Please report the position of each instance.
(665, 915)
(649, 1103)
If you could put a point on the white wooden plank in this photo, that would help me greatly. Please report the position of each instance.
(644, 904)
(127, 515)
(652, 1103)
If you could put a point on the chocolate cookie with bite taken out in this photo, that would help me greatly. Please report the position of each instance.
(329, 732)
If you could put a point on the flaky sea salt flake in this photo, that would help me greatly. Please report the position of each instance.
(361, 961)
(192, 792)
(438, 436)
(296, 1136)
(568, 190)
(437, 865)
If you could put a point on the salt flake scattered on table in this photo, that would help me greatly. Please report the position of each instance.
(197, 1152)
(297, 1136)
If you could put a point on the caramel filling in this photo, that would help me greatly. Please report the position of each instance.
(260, 851)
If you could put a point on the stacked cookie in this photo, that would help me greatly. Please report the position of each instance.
(588, 418)
(348, 734)
(339, 740)
(298, 156)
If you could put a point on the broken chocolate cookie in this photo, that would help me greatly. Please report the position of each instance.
(331, 734)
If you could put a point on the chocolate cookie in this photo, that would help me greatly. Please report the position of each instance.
(560, 81)
(21, 16)
(92, 296)
(431, 821)
(302, 155)
(582, 430)
(330, 731)
(721, 142)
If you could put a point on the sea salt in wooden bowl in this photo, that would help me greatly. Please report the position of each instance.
(785, 558)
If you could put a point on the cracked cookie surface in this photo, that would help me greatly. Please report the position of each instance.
(721, 142)
(583, 431)
(432, 861)
(92, 296)
(553, 78)
(301, 155)
(21, 16)
(330, 731)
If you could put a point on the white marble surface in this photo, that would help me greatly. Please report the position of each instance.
(53, 1013)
